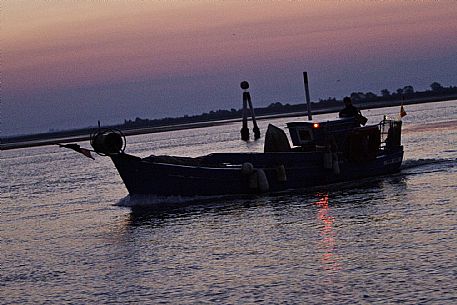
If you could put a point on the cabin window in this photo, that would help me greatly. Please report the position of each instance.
(304, 135)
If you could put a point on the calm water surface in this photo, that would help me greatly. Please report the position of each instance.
(69, 234)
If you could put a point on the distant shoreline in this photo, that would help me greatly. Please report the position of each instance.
(44, 139)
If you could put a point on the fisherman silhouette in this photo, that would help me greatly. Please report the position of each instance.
(351, 111)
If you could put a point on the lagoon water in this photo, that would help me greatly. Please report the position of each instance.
(70, 234)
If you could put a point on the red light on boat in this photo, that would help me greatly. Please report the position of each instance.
(316, 125)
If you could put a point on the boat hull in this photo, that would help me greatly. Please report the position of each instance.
(221, 174)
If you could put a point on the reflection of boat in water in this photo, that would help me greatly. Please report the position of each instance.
(321, 153)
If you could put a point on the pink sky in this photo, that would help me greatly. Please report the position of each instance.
(73, 62)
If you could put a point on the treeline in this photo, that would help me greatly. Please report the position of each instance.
(406, 93)
(217, 115)
(359, 98)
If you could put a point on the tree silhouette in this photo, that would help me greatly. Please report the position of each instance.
(385, 92)
(408, 89)
(436, 86)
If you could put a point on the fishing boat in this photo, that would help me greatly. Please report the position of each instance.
(321, 153)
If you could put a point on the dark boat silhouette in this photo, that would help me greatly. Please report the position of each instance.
(321, 153)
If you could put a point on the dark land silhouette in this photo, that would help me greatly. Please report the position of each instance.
(363, 100)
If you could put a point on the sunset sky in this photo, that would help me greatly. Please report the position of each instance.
(67, 64)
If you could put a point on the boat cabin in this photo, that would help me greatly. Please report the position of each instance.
(309, 134)
(345, 136)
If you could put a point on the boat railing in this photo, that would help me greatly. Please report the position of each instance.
(390, 134)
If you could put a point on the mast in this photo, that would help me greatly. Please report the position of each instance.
(308, 102)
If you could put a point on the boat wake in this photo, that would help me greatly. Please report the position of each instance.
(167, 202)
(412, 164)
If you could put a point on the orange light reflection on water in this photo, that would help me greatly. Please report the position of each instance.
(329, 259)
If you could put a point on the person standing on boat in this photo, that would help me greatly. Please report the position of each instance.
(350, 111)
